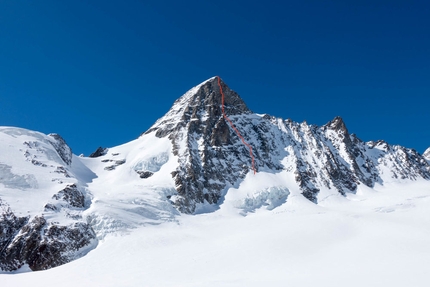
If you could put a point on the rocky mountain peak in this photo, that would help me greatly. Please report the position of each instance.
(200, 103)
(207, 95)
(233, 103)
(210, 153)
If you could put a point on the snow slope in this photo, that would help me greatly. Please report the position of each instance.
(375, 238)
(121, 199)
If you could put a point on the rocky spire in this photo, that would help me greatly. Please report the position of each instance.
(202, 102)
(337, 124)
(205, 144)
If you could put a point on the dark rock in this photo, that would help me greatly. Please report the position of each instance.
(22, 247)
(62, 148)
(72, 195)
(10, 225)
(40, 245)
(144, 174)
(338, 125)
(204, 173)
(38, 163)
(62, 170)
(100, 151)
(117, 163)
(50, 207)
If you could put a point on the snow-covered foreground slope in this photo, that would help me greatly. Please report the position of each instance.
(122, 200)
(374, 238)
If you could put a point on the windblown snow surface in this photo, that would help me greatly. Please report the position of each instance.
(265, 233)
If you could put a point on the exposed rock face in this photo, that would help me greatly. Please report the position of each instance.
(99, 152)
(330, 157)
(113, 166)
(38, 244)
(62, 148)
(47, 235)
(211, 156)
(10, 225)
(426, 154)
(72, 195)
(145, 174)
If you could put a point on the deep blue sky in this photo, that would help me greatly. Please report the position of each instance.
(101, 72)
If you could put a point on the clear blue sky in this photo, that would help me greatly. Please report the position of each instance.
(101, 72)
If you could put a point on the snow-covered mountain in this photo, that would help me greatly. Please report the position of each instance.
(56, 206)
(42, 197)
(324, 160)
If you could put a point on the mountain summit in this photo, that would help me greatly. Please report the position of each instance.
(210, 155)
(201, 104)
(327, 159)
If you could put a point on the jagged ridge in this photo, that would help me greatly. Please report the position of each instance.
(212, 158)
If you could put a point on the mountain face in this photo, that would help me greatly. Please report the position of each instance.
(41, 202)
(55, 206)
(426, 154)
(210, 154)
(212, 157)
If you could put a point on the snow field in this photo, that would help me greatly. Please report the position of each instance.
(360, 240)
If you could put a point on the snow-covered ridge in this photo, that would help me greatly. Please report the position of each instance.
(41, 202)
(323, 160)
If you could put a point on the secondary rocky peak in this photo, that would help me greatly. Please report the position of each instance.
(100, 151)
(426, 154)
(337, 124)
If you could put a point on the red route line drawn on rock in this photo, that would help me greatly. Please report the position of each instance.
(234, 128)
